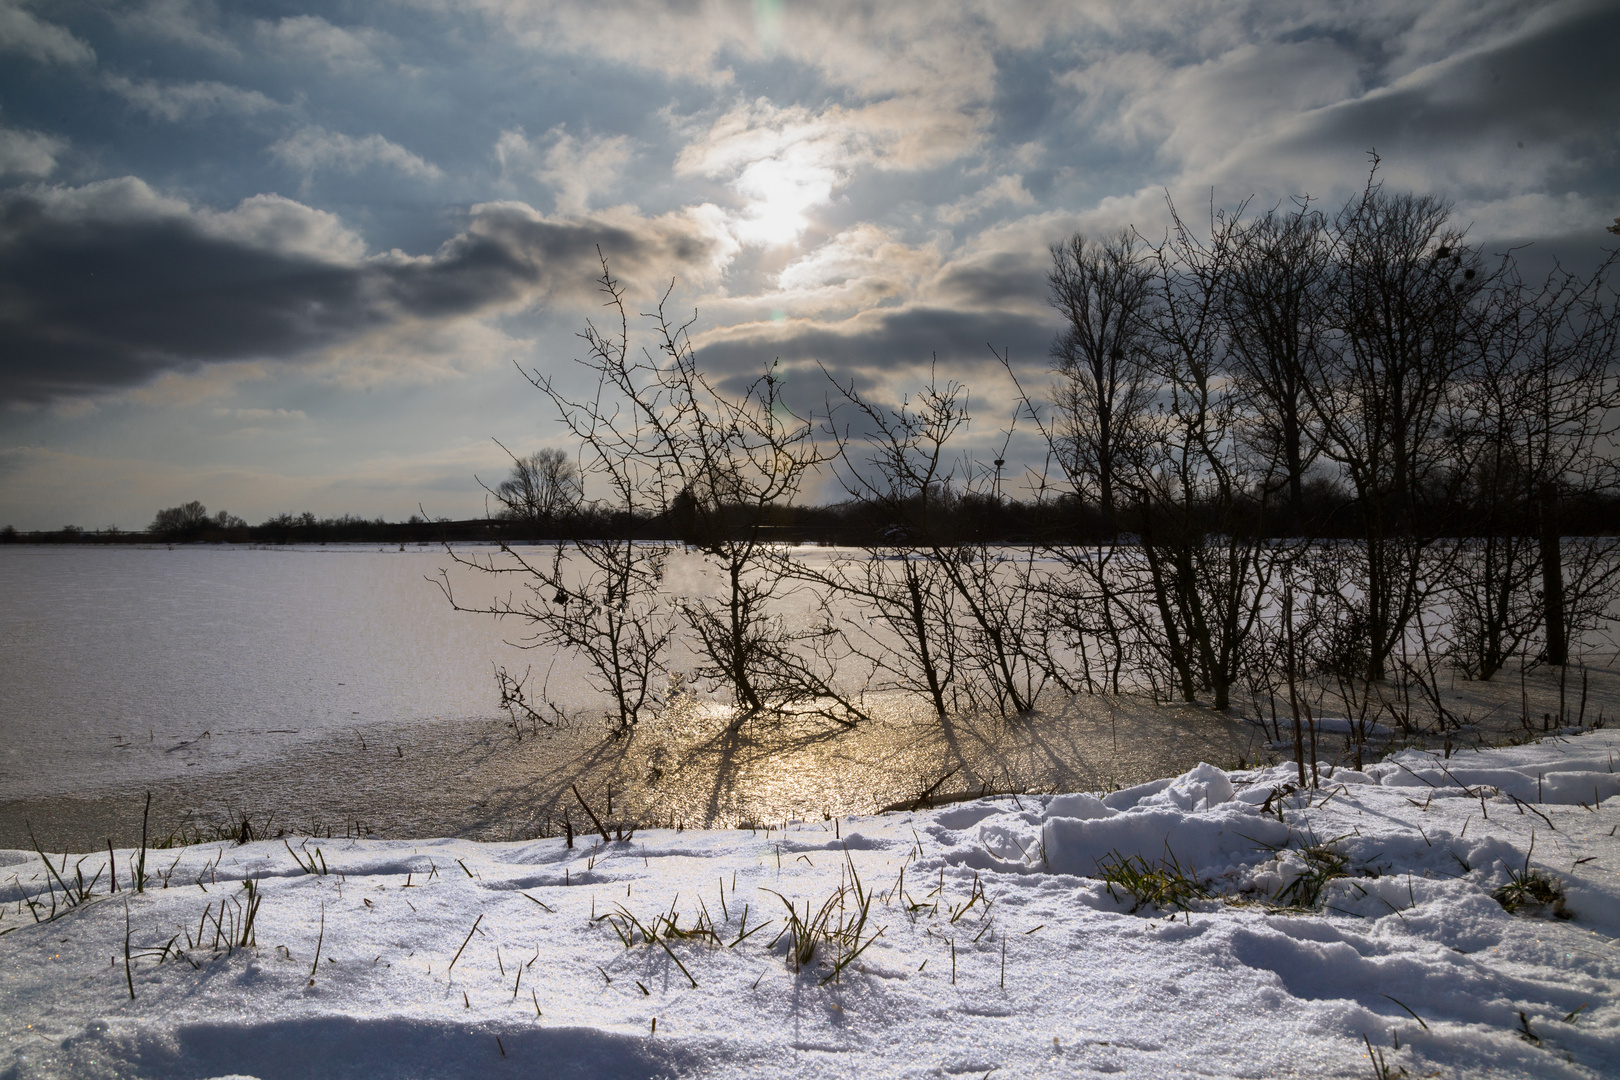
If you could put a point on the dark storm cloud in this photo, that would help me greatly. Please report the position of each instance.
(1554, 90)
(881, 342)
(1008, 277)
(106, 285)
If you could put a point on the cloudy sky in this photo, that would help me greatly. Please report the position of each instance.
(283, 257)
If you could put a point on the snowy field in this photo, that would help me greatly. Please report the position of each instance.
(1271, 932)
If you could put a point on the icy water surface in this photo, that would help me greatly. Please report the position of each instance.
(333, 688)
(128, 666)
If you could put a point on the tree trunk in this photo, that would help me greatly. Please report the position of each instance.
(1552, 577)
(919, 624)
(1296, 477)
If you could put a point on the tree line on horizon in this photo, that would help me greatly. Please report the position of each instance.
(845, 523)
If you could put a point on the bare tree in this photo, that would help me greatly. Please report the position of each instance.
(541, 488)
(1101, 400)
(601, 595)
(897, 584)
(1197, 486)
(1401, 302)
(1274, 305)
(1490, 586)
(599, 598)
(185, 520)
(1572, 392)
(1102, 288)
(1538, 426)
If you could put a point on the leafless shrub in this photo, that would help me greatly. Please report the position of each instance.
(712, 466)
(958, 614)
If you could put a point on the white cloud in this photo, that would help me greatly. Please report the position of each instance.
(186, 387)
(859, 268)
(186, 22)
(279, 224)
(414, 352)
(267, 222)
(682, 41)
(178, 101)
(312, 38)
(123, 199)
(314, 147)
(781, 162)
(890, 134)
(913, 81)
(256, 420)
(579, 171)
(1447, 28)
(1110, 91)
(1196, 115)
(581, 168)
(944, 55)
(21, 32)
(1532, 215)
(28, 153)
(1006, 190)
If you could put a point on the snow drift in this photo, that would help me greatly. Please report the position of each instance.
(1296, 930)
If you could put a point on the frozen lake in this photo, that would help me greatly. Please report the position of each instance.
(138, 664)
(332, 687)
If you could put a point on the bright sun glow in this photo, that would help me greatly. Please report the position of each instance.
(780, 192)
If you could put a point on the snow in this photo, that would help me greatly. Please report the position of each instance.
(989, 945)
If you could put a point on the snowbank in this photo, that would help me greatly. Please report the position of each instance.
(973, 940)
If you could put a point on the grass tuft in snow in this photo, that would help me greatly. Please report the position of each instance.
(310, 864)
(1165, 886)
(838, 926)
(1322, 865)
(1382, 1069)
(659, 930)
(1532, 891)
(237, 830)
(78, 891)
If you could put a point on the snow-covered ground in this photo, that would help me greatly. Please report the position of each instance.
(989, 945)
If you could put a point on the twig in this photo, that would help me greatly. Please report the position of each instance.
(606, 839)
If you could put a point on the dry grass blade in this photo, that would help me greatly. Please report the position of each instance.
(464, 941)
(310, 864)
(1409, 1012)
